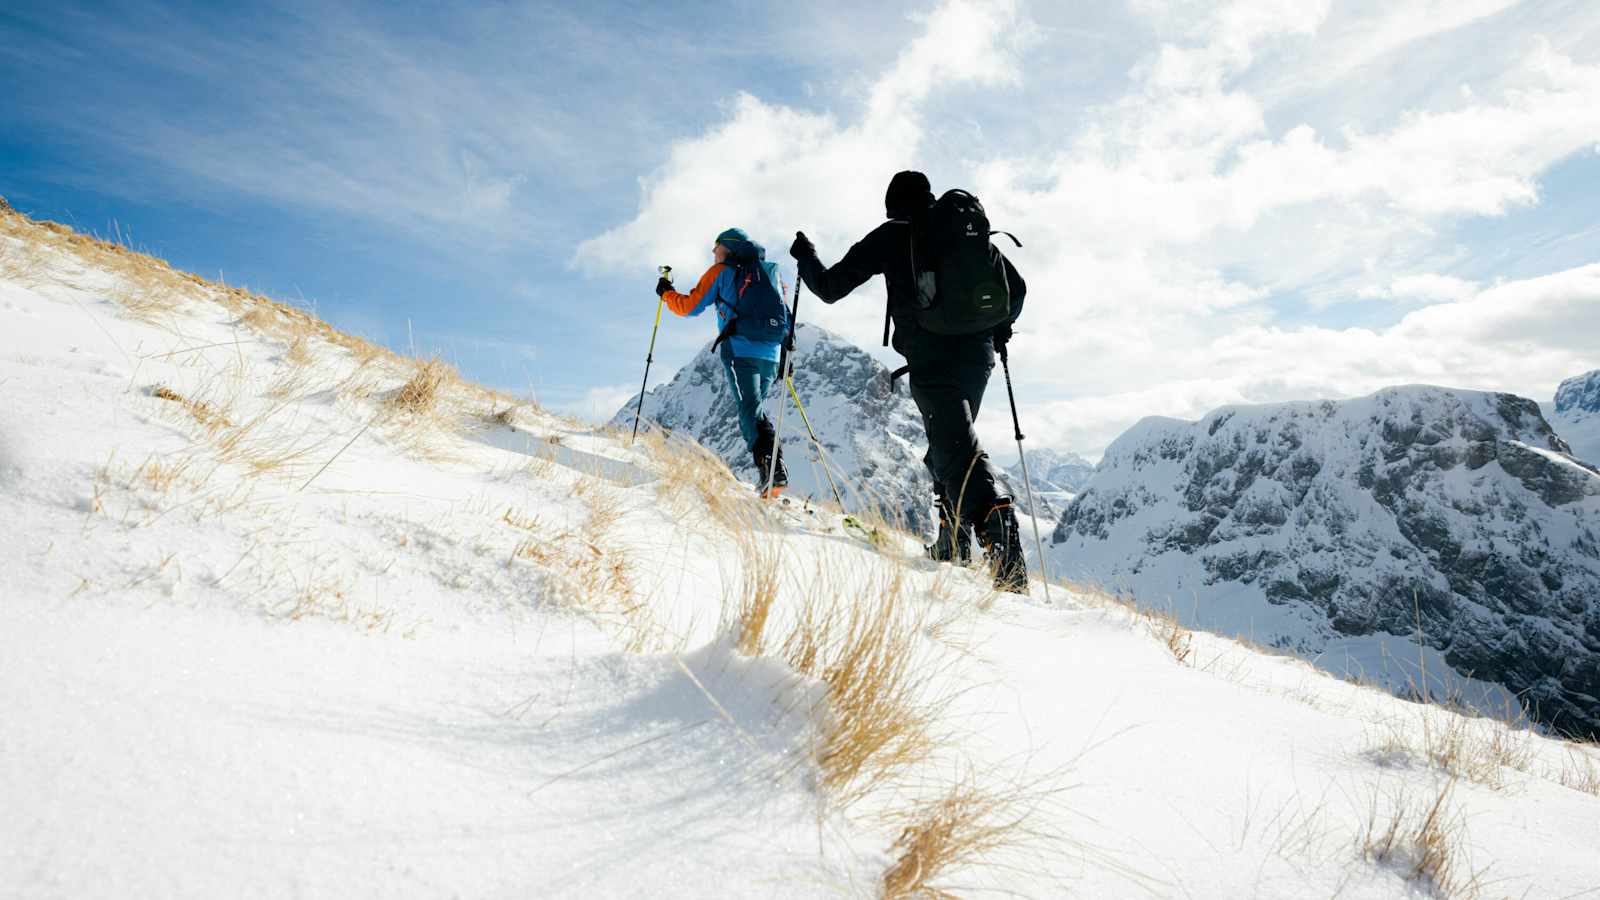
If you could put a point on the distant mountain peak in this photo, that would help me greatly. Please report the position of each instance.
(1575, 415)
(1456, 514)
(1579, 394)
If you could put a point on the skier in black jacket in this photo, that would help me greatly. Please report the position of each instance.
(949, 374)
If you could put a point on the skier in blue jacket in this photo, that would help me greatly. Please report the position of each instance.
(749, 354)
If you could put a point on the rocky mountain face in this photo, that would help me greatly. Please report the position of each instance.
(874, 438)
(1057, 476)
(1575, 415)
(1457, 520)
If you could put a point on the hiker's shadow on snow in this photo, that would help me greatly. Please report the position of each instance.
(700, 750)
(512, 440)
(704, 731)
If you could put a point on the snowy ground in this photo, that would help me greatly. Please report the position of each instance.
(266, 634)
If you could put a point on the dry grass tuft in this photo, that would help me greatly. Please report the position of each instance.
(1164, 626)
(298, 351)
(148, 300)
(330, 599)
(599, 574)
(161, 475)
(419, 396)
(691, 476)
(969, 824)
(1424, 841)
(203, 411)
(864, 644)
(759, 592)
(1477, 749)
(17, 264)
(1579, 771)
(292, 381)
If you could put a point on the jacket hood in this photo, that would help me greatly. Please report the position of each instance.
(744, 249)
(909, 193)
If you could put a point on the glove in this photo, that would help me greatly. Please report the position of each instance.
(663, 286)
(802, 248)
(1001, 336)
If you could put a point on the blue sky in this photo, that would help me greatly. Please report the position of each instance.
(1248, 201)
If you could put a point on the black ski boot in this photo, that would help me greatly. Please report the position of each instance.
(1002, 543)
(762, 454)
(952, 544)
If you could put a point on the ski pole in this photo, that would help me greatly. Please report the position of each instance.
(827, 469)
(1027, 482)
(650, 355)
(784, 362)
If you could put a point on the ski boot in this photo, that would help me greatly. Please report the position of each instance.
(1002, 544)
(762, 453)
(952, 544)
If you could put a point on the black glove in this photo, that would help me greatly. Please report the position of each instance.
(801, 248)
(663, 286)
(1001, 335)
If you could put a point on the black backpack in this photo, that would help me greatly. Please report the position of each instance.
(960, 276)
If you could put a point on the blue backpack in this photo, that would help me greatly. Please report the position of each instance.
(758, 313)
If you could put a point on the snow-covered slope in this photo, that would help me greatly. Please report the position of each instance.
(1575, 415)
(278, 620)
(873, 437)
(1323, 527)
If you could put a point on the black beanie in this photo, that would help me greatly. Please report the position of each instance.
(909, 193)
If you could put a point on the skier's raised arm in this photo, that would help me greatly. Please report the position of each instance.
(833, 283)
(696, 301)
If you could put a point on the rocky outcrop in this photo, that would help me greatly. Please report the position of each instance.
(1575, 415)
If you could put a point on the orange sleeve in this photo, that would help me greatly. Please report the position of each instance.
(684, 304)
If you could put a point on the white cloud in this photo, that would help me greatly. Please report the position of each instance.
(769, 168)
(1185, 247)
(1523, 336)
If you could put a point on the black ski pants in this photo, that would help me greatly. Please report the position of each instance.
(949, 394)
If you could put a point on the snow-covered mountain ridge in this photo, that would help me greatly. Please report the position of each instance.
(1057, 475)
(1055, 470)
(1575, 415)
(1456, 514)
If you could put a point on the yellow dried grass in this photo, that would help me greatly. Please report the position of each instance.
(419, 396)
(1424, 841)
(967, 826)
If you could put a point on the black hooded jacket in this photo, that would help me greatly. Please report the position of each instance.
(886, 251)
